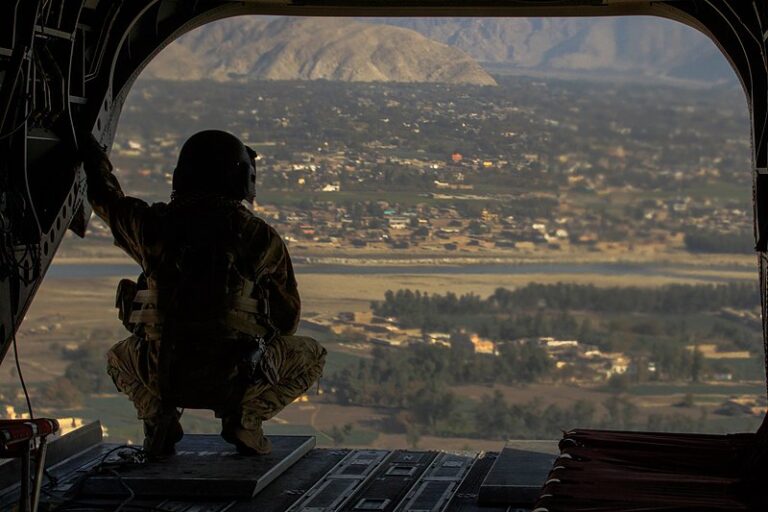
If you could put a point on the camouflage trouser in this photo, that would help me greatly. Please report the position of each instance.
(291, 365)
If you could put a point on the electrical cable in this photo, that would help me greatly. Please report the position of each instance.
(104, 457)
(18, 265)
(24, 99)
(19, 127)
(99, 468)
(66, 502)
(131, 493)
(101, 42)
(18, 369)
(48, 4)
(9, 257)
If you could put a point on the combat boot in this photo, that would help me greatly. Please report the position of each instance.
(251, 441)
(161, 435)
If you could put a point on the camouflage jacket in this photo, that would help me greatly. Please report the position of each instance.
(152, 235)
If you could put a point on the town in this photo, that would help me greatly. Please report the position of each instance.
(466, 171)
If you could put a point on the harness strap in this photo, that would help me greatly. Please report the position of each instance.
(146, 316)
(146, 297)
(248, 305)
(245, 326)
(145, 312)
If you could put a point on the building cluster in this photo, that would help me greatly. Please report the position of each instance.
(573, 360)
(446, 168)
(366, 328)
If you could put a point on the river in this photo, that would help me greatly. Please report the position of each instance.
(706, 273)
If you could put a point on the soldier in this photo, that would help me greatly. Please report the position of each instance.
(214, 313)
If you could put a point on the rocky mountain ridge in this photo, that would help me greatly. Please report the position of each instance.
(639, 47)
(450, 50)
(312, 49)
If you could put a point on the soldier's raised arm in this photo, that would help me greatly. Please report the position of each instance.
(123, 214)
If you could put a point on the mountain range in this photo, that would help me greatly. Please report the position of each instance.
(450, 50)
(311, 49)
(639, 47)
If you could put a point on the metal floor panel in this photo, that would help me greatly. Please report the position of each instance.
(323, 480)
(341, 482)
(294, 483)
(465, 497)
(391, 482)
(204, 466)
(183, 506)
(516, 478)
(438, 484)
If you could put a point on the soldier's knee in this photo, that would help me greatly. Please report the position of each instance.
(310, 349)
(313, 365)
(121, 365)
(313, 355)
(316, 352)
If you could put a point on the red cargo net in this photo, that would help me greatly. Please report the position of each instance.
(601, 471)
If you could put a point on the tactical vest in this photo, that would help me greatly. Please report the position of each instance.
(201, 282)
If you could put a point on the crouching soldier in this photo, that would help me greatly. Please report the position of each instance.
(214, 313)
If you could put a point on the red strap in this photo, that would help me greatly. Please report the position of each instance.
(16, 431)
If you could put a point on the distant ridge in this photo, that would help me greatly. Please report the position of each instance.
(637, 47)
(312, 49)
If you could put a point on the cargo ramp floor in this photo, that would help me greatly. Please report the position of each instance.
(207, 475)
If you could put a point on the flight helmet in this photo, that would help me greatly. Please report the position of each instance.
(215, 162)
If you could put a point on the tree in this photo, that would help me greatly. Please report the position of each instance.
(89, 376)
(494, 416)
(687, 401)
(478, 228)
(697, 364)
(618, 383)
(583, 413)
(306, 204)
(412, 436)
(339, 435)
(621, 412)
(60, 392)
(429, 405)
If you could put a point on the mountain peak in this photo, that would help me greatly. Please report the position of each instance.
(314, 49)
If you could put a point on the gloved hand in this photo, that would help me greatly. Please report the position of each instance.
(93, 154)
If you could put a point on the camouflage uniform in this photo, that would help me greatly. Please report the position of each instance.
(198, 367)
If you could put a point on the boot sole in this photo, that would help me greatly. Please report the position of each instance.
(240, 446)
